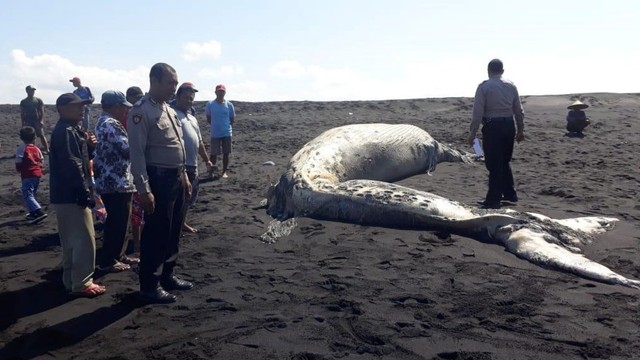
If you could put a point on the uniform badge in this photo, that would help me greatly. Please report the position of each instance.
(136, 119)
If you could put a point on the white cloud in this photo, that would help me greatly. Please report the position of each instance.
(289, 69)
(224, 71)
(50, 74)
(196, 51)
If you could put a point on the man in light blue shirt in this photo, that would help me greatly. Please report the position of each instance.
(84, 93)
(220, 114)
(193, 144)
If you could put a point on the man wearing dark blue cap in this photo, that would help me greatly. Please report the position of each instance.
(72, 196)
(114, 182)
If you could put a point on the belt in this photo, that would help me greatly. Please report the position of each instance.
(486, 120)
(165, 171)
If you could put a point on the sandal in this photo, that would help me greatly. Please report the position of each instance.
(115, 268)
(128, 260)
(90, 291)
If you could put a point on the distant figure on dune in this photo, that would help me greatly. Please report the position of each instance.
(220, 114)
(32, 114)
(576, 118)
(84, 93)
(496, 104)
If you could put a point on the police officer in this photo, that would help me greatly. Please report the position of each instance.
(158, 167)
(495, 105)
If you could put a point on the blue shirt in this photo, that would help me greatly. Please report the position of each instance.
(221, 116)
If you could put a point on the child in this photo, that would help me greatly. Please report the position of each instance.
(29, 165)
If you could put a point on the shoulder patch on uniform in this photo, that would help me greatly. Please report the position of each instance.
(136, 119)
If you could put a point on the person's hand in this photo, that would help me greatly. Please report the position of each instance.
(148, 202)
(471, 139)
(188, 188)
(520, 136)
(92, 141)
(85, 200)
(209, 166)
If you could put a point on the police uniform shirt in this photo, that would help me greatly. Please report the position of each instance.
(155, 139)
(496, 97)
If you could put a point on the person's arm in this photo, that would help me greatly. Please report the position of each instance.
(207, 112)
(23, 114)
(477, 113)
(232, 114)
(20, 157)
(90, 95)
(518, 113)
(117, 135)
(138, 129)
(40, 111)
(71, 164)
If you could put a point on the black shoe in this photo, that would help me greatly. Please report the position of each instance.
(175, 283)
(489, 205)
(512, 199)
(36, 216)
(158, 296)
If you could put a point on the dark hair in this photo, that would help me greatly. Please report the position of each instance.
(158, 70)
(27, 134)
(495, 66)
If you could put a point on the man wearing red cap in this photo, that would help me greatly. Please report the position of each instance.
(84, 93)
(220, 114)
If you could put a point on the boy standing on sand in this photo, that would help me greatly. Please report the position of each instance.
(29, 165)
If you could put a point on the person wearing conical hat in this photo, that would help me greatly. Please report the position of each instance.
(576, 118)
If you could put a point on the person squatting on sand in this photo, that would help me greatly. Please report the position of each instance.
(72, 196)
(113, 179)
(85, 93)
(220, 114)
(32, 114)
(576, 118)
(134, 94)
(495, 105)
(158, 168)
(193, 144)
(29, 164)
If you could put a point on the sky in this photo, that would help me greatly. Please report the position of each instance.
(330, 50)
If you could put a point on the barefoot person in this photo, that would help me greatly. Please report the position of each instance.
(220, 114)
(72, 196)
(32, 114)
(158, 168)
(113, 179)
(193, 144)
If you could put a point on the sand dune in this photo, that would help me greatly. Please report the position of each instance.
(333, 290)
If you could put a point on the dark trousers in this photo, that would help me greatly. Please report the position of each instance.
(497, 140)
(114, 242)
(161, 232)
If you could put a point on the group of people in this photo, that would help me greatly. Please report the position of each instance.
(145, 152)
(141, 160)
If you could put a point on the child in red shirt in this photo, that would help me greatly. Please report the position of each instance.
(29, 165)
